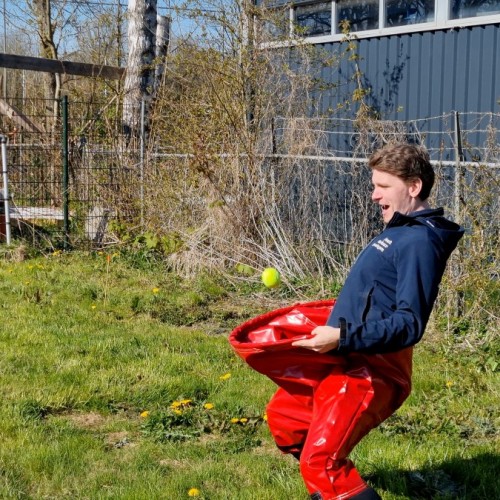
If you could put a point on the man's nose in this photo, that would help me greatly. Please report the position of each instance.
(375, 195)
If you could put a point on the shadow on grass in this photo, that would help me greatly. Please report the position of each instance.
(476, 478)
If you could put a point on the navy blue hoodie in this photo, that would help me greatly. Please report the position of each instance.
(388, 296)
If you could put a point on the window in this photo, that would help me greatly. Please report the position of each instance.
(360, 14)
(401, 13)
(322, 18)
(473, 8)
(314, 20)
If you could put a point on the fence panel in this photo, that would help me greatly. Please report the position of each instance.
(87, 150)
(33, 169)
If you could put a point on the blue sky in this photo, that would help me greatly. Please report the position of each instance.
(14, 22)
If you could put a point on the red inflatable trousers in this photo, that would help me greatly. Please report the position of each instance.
(325, 403)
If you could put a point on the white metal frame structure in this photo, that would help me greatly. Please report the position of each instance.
(442, 18)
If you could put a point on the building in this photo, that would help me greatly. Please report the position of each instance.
(418, 59)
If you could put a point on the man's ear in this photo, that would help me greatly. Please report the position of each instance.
(415, 187)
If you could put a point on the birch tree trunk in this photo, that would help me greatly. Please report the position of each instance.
(162, 41)
(139, 80)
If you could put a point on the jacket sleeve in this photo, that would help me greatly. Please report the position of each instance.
(419, 266)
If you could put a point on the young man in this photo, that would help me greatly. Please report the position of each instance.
(380, 313)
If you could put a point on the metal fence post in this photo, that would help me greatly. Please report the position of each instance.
(141, 160)
(459, 157)
(458, 199)
(3, 142)
(65, 172)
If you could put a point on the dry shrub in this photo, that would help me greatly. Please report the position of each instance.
(223, 195)
(246, 175)
(470, 295)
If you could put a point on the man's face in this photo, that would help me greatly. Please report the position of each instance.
(392, 194)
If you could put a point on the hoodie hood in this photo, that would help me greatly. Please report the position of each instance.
(447, 231)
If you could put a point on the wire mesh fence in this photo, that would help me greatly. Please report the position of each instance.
(68, 176)
(71, 179)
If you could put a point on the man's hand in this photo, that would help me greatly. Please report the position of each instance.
(325, 339)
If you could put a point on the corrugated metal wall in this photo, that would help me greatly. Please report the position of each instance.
(421, 75)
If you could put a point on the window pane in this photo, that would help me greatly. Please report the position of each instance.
(314, 20)
(474, 8)
(360, 14)
(400, 12)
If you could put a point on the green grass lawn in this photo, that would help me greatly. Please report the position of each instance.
(117, 381)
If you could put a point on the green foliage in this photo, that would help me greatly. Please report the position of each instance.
(33, 410)
(171, 426)
(426, 420)
(162, 244)
(187, 419)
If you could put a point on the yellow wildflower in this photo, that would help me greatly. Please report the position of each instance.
(155, 290)
(180, 404)
(178, 412)
(235, 420)
(225, 376)
(449, 383)
(208, 406)
(193, 492)
(93, 306)
(264, 417)
(145, 414)
(243, 420)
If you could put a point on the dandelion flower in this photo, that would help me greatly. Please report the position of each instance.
(449, 383)
(186, 402)
(193, 492)
(93, 306)
(243, 420)
(145, 414)
(176, 404)
(225, 376)
(235, 420)
(178, 412)
(208, 406)
(155, 290)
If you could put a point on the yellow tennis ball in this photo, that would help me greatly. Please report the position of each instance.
(271, 277)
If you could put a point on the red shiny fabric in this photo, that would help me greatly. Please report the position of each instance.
(325, 403)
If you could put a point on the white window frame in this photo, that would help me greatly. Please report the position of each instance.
(442, 20)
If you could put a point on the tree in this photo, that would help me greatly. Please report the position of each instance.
(48, 49)
(139, 81)
(161, 49)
